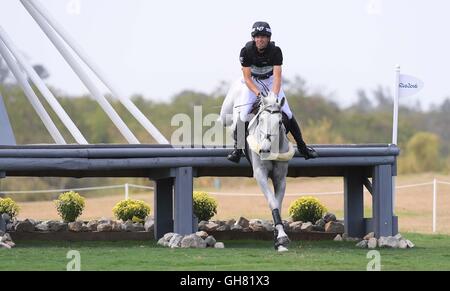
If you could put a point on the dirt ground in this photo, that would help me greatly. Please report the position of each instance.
(413, 206)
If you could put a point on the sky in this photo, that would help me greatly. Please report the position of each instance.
(159, 48)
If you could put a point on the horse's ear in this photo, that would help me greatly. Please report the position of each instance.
(282, 101)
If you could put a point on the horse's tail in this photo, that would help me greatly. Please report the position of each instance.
(228, 107)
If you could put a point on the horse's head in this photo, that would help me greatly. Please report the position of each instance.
(270, 122)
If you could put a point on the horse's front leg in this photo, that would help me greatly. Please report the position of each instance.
(279, 183)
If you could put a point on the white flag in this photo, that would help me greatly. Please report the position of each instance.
(409, 85)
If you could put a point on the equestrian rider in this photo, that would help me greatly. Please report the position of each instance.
(261, 64)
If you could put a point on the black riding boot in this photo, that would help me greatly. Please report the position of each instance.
(239, 142)
(306, 151)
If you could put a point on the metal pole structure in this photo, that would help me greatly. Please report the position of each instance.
(60, 46)
(100, 74)
(126, 191)
(434, 203)
(395, 129)
(6, 133)
(34, 100)
(42, 88)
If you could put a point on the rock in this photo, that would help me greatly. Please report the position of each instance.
(321, 223)
(219, 245)
(389, 242)
(398, 236)
(211, 227)
(285, 225)
(230, 222)
(243, 222)
(6, 237)
(10, 226)
(410, 244)
(57, 226)
(362, 244)
(329, 217)
(75, 226)
(402, 244)
(168, 236)
(127, 226)
(43, 226)
(149, 225)
(92, 225)
(257, 227)
(295, 226)
(352, 239)
(202, 234)
(236, 227)
(369, 236)
(175, 241)
(104, 220)
(318, 228)
(307, 227)
(224, 227)
(85, 228)
(220, 222)
(247, 229)
(138, 226)
(6, 217)
(202, 225)
(210, 241)
(2, 232)
(116, 226)
(25, 226)
(372, 243)
(335, 227)
(162, 242)
(4, 245)
(10, 243)
(193, 241)
(104, 227)
(338, 238)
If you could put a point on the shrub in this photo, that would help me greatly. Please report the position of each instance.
(9, 206)
(69, 205)
(135, 210)
(306, 209)
(205, 206)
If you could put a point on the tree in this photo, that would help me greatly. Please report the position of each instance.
(422, 153)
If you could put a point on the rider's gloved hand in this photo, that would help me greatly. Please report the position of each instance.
(262, 94)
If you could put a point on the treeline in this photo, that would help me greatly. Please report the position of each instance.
(424, 137)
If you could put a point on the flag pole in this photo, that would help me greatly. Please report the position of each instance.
(395, 129)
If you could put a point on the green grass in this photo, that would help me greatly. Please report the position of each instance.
(432, 252)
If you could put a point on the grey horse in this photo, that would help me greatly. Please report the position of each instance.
(270, 152)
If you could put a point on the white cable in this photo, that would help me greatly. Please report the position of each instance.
(42, 88)
(61, 47)
(34, 100)
(157, 135)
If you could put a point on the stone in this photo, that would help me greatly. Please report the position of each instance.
(306, 227)
(2, 232)
(210, 241)
(362, 244)
(410, 244)
(219, 245)
(6, 237)
(104, 227)
(369, 236)
(398, 236)
(211, 227)
(402, 244)
(138, 226)
(318, 228)
(43, 226)
(4, 245)
(338, 238)
(10, 243)
(329, 217)
(168, 236)
(243, 222)
(193, 241)
(224, 227)
(162, 242)
(321, 223)
(372, 243)
(202, 225)
(388, 242)
(127, 226)
(257, 227)
(25, 226)
(202, 234)
(92, 225)
(6, 217)
(57, 226)
(85, 228)
(149, 225)
(335, 227)
(236, 227)
(175, 241)
(116, 226)
(230, 222)
(75, 226)
(295, 226)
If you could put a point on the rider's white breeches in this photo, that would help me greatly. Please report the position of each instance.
(247, 98)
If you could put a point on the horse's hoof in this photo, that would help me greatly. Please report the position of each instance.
(282, 249)
(282, 242)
